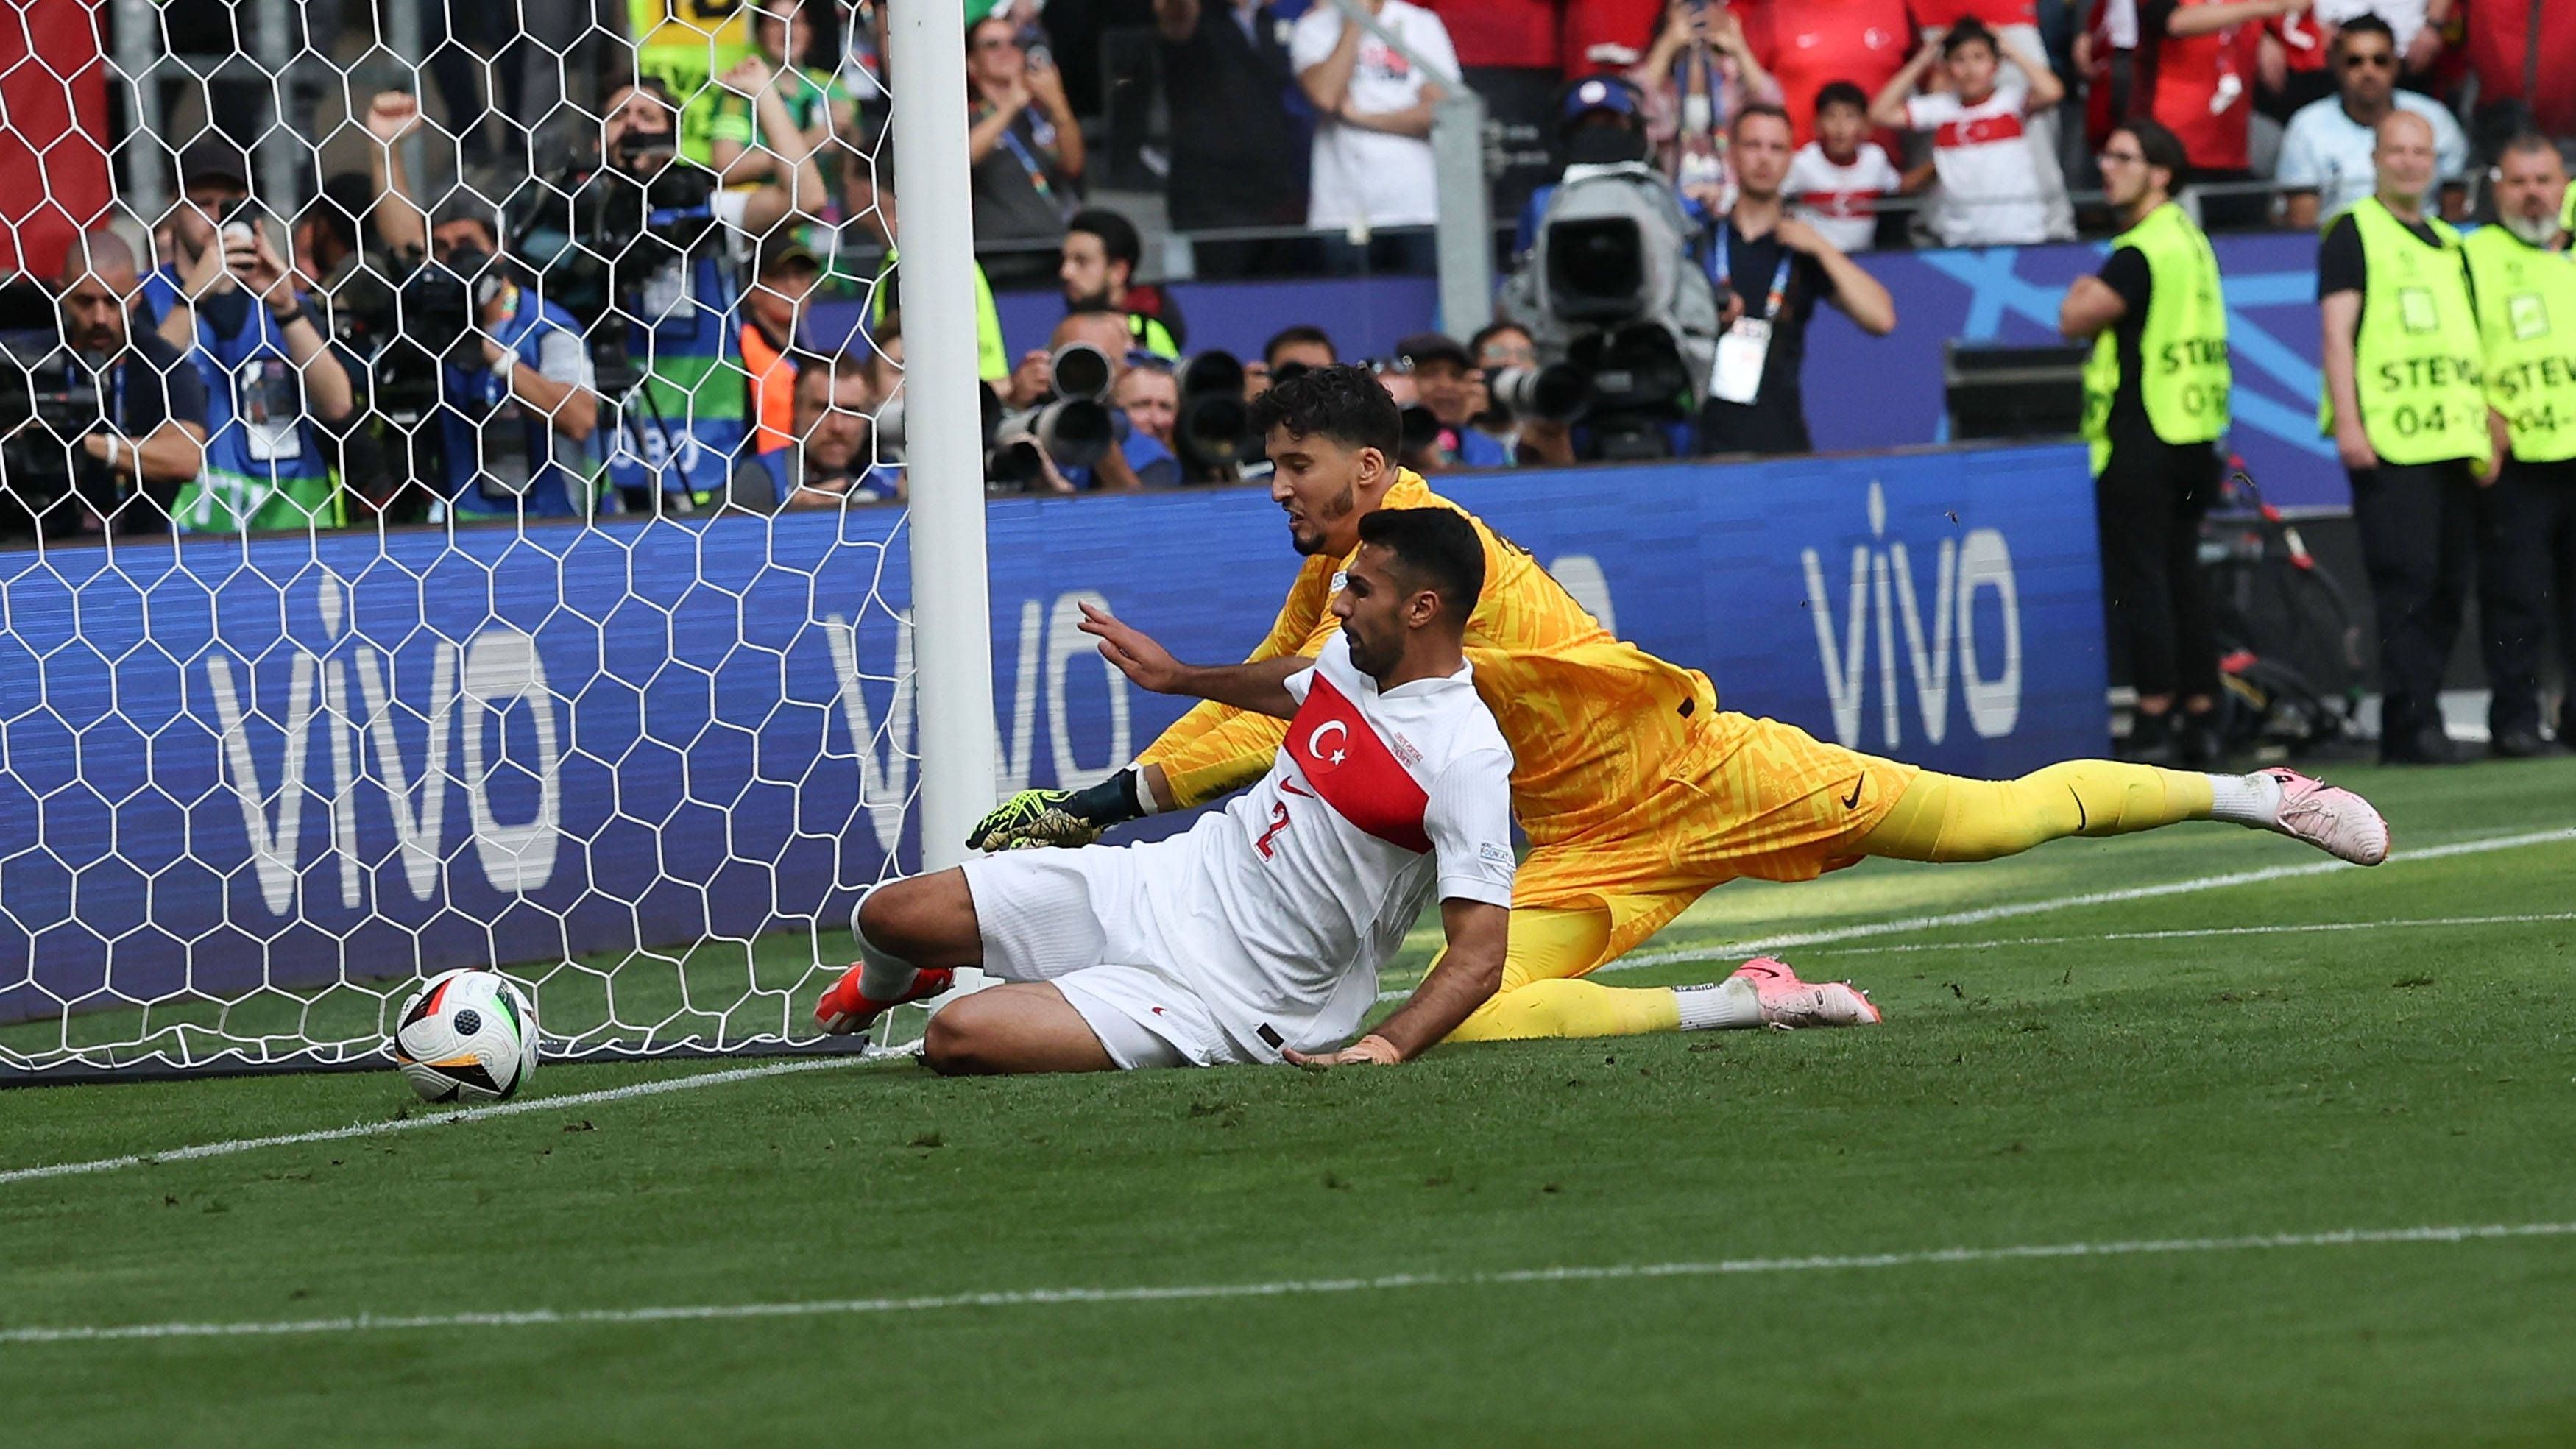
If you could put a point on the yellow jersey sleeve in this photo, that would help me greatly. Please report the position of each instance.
(1215, 748)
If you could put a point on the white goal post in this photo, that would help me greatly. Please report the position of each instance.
(643, 757)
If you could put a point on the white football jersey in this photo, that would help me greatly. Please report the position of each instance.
(1374, 802)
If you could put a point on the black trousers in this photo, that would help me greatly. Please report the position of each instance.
(2526, 574)
(2418, 525)
(2148, 504)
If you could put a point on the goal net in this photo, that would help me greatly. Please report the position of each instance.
(524, 661)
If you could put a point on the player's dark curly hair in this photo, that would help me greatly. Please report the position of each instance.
(1344, 402)
(1438, 547)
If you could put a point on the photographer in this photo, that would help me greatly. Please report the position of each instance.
(1770, 270)
(677, 286)
(1507, 347)
(1448, 386)
(274, 382)
(147, 433)
(519, 405)
(831, 460)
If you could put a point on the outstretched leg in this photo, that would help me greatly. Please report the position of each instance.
(1947, 818)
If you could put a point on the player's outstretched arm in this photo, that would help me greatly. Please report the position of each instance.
(1466, 977)
(1259, 687)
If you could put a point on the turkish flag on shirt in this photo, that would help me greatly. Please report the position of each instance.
(1339, 752)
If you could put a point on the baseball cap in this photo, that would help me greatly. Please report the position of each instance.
(784, 250)
(1424, 347)
(212, 159)
(1598, 94)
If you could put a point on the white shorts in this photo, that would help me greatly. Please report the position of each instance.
(1079, 919)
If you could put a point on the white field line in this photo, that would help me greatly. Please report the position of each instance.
(1983, 914)
(2433, 921)
(653, 1088)
(1640, 960)
(1295, 1287)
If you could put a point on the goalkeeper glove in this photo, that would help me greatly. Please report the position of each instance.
(1061, 817)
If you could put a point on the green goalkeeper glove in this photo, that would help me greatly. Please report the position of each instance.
(1034, 818)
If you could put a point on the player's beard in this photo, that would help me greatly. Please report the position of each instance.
(1334, 511)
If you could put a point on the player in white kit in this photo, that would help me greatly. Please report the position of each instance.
(1258, 935)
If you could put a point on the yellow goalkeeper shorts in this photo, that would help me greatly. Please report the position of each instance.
(1752, 798)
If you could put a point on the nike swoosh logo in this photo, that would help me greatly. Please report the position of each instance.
(1290, 786)
(1852, 801)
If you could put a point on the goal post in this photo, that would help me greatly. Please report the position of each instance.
(644, 755)
(952, 610)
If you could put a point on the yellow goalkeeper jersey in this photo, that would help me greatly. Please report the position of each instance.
(1594, 722)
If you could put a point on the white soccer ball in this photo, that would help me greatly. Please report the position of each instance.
(468, 1035)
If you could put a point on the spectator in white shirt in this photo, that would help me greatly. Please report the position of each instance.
(1992, 191)
(2326, 150)
(1372, 153)
(1835, 180)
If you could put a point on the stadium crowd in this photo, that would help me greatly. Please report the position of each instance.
(1684, 182)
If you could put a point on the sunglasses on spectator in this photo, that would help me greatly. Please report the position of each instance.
(2125, 158)
(2374, 59)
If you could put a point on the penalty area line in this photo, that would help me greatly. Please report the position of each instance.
(654, 1088)
(1289, 1288)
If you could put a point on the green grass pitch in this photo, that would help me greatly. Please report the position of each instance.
(2315, 1052)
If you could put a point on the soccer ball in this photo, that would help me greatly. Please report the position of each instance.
(467, 1035)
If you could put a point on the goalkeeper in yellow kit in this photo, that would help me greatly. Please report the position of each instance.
(1638, 793)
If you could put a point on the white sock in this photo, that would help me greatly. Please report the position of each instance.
(2245, 799)
(1729, 1005)
(883, 976)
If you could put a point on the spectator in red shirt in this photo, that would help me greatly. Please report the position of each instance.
(1807, 45)
(2512, 70)
(2206, 63)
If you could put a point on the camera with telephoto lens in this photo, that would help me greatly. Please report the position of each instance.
(1212, 430)
(588, 236)
(1555, 393)
(48, 402)
(1073, 427)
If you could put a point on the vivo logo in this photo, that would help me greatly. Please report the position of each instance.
(474, 693)
(1937, 630)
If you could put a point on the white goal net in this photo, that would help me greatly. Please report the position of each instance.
(480, 631)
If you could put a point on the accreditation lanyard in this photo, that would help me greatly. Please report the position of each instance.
(1779, 277)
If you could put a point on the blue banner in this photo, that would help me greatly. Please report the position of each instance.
(289, 760)
(1862, 392)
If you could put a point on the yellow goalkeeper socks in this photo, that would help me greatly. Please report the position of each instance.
(1947, 818)
(1572, 1009)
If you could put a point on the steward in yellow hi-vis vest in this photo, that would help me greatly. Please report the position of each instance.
(2525, 281)
(2416, 358)
(2179, 364)
(2156, 394)
(2405, 402)
(2526, 305)
(1637, 792)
